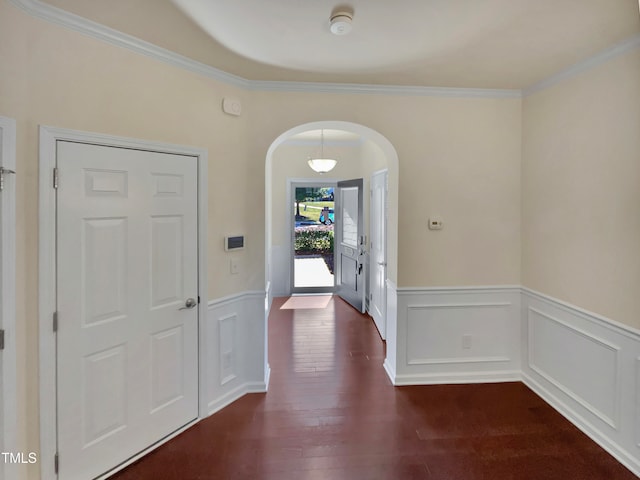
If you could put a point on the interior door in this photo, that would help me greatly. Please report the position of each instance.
(127, 333)
(349, 243)
(378, 251)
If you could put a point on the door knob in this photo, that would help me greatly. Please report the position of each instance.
(189, 304)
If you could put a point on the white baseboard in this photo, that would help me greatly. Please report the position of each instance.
(388, 368)
(267, 377)
(228, 398)
(449, 378)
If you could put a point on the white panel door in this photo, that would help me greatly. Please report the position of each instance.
(127, 263)
(349, 243)
(378, 251)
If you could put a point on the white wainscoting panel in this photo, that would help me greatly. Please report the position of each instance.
(582, 365)
(236, 330)
(458, 335)
(587, 367)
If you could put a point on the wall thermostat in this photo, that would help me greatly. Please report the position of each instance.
(234, 243)
(232, 106)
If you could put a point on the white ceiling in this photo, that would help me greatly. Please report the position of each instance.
(509, 44)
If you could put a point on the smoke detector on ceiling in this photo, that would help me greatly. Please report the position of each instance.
(340, 22)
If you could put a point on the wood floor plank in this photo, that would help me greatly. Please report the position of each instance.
(331, 413)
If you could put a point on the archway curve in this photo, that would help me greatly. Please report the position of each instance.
(391, 156)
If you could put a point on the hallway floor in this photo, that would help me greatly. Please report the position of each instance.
(331, 413)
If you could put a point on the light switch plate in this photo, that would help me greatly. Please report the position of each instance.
(234, 266)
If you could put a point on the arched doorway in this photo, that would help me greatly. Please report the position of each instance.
(390, 156)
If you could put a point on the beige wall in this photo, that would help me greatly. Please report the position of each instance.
(459, 158)
(52, 76)
(581, 192)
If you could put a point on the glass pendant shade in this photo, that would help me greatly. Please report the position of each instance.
(322, 164)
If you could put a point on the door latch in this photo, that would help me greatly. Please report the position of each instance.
(3, 172)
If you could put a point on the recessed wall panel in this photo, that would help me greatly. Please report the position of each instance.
(227, 359)
(581, 365)
(104, 396)
(104, 269)
(109, 183)
(167, 185)
(436, 334)
(166, 260)
(167, 367)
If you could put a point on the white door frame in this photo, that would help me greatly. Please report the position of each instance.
(385, 174)
(292, 183)
(47, 273)
(8, 293)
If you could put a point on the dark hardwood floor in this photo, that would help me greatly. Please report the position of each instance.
(331, 413)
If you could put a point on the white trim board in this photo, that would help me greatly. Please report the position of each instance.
(8, 294)
(58, 16)
(584, 65)
(49, 136)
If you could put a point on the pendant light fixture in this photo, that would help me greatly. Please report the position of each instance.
(322, 164)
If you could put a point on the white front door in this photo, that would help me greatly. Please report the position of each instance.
(349, 243)
(378, 251)
(127, 262)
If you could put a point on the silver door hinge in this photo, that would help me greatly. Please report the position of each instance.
(56, 462)
(55, 177)
(3, 172)
(55, 321)
(1, 339)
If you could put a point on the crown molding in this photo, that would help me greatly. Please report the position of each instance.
(55, 15)
(370, 89)
(587, 64)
